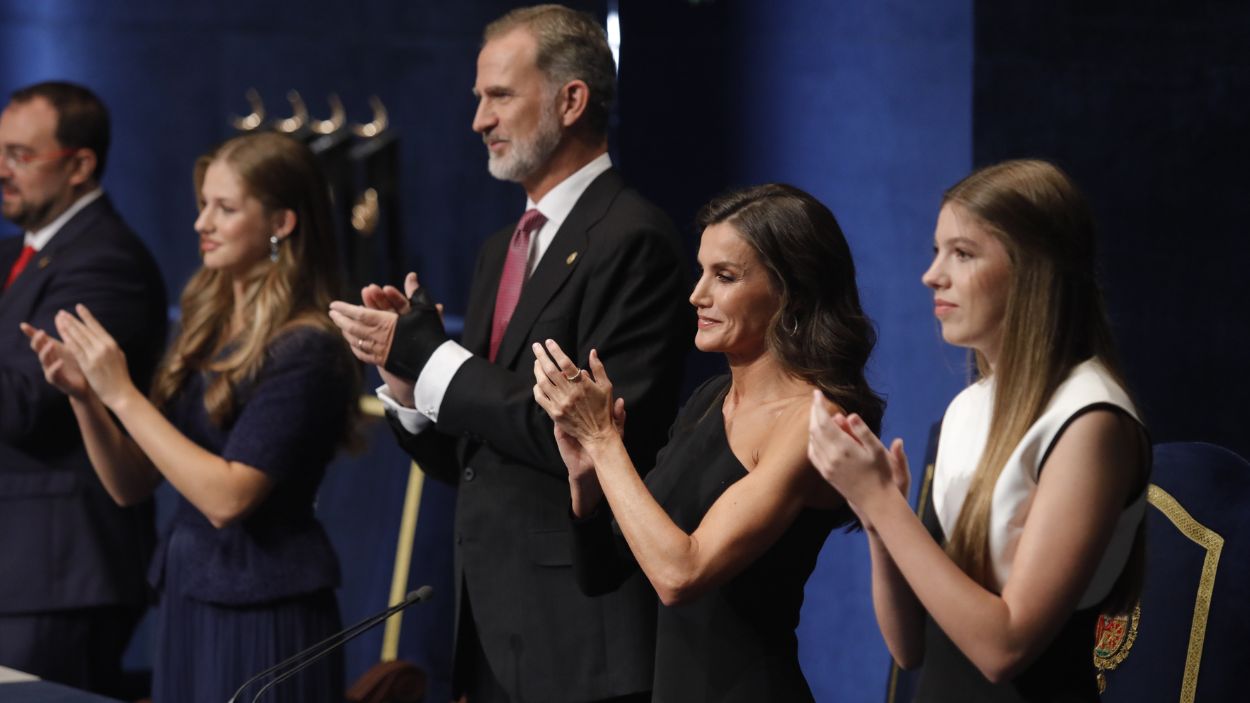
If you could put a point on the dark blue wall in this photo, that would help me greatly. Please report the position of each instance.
(1148, 106)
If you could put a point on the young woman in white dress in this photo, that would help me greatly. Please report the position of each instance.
(1042, 464)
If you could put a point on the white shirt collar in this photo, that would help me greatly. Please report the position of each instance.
(40, 237)
(558, 203)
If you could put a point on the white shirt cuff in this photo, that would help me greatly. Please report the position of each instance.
(412, 420)
(436, 376)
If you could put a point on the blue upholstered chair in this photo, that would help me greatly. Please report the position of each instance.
(1190, 637)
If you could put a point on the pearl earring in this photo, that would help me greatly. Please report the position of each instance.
(273, 248)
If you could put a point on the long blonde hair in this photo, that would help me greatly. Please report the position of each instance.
(1055, 318)
(295, 290)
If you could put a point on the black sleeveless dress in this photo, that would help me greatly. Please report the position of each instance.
(1063, 673)
(735, 643)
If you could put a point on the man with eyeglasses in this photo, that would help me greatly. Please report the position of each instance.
(72, 562)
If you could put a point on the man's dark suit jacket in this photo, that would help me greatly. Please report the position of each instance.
(612, 279)
(64, 544)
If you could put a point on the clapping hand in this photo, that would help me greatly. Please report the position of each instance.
(579, 402)
(579, 463)
(391, 304)
(851, 458)
(59, 367)
(370, 328)
(98, 357)
(390, 298)
(417, 321)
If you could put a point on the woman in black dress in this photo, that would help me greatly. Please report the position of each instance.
(728, 525)
(1040, 481)
(252, 401)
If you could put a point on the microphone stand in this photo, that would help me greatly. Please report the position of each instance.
(307, 657)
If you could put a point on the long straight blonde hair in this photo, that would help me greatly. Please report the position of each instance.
(1055, 318)
(294, 290)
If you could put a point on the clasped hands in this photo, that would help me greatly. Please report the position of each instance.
(580, 404)
(85, 360)
(852, 459)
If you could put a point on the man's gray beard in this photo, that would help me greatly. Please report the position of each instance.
(529, 156)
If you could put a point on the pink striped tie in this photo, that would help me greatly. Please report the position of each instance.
(513, 277)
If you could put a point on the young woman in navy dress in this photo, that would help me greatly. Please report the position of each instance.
(1042, 466)
(251, 403)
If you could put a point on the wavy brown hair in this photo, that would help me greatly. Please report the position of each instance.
(293, 291)
(819, 332)
(1055, 319)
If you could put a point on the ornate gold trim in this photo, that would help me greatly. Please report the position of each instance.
(924, 490)
(372, 407)
(403, 559)
(1213, 543)
(889, 695)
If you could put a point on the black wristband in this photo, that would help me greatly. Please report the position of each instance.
(418, 333)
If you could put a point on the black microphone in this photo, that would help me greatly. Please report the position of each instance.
(306, 657)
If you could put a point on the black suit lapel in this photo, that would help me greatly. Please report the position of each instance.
(481, 310)
(557, 262)
(10, 249)
(63, 241)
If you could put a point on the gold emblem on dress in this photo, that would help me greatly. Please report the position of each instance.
(572, 257)
(1113, 638)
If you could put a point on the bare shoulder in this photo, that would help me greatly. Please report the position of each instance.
(784, 452)
(1104, 445)
(789, 428)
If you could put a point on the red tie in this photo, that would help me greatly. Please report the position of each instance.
(28, 253)
(513, 276)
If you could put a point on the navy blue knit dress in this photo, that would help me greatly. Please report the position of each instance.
(236, 600)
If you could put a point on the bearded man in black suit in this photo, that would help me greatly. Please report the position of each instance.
(71, 561)
(591, 265)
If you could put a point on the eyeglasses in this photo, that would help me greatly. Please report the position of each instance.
(21, 160)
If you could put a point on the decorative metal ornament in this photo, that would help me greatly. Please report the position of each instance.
(299, 115)
(365, 212)
(338, 117)
(273, 248)
(253, 120)
(379, 122)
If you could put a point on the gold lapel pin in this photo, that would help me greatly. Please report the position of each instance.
(572, 257)
(44, 261)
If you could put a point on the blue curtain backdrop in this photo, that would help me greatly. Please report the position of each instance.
(869, 109)
(1146, 105)
(875, 107)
